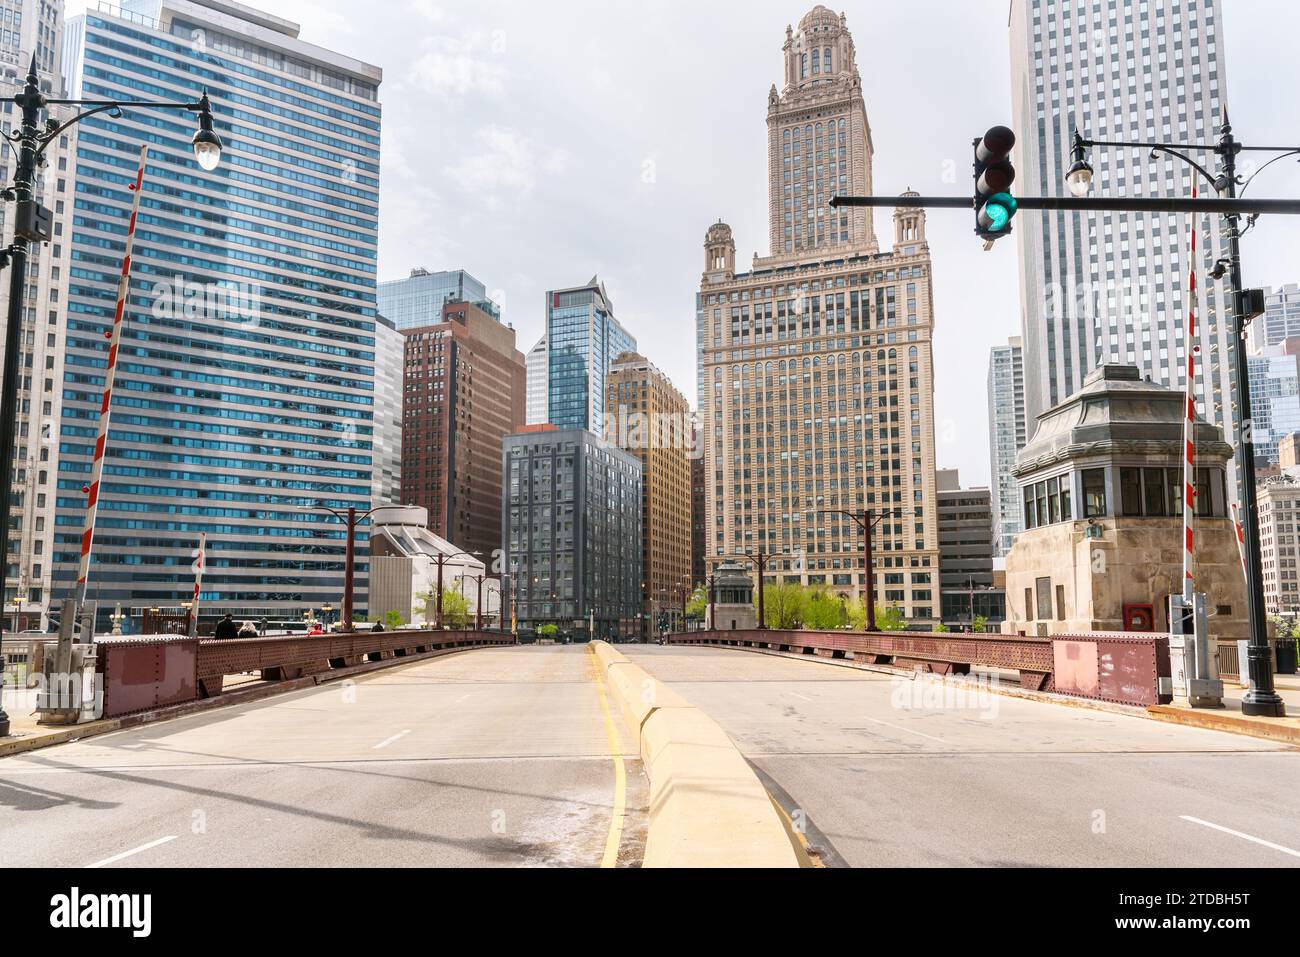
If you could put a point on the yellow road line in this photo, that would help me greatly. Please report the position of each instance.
(615, 838)
(802, 849)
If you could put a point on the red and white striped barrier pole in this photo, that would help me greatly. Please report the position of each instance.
(114, 343)
(1241, 536)
(200, 559)
(1189, 425)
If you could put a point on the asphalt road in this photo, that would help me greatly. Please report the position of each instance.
(495, 757)
(883, 771)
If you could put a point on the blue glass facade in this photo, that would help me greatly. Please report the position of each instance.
(418, 300)
(583, 339)
(246, 383)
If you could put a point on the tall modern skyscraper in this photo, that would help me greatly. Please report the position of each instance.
(1274, 398)
(1008, 433)
(418, 299)
(1112, 287)
(246, 384)
(539, 383)
(816, 375)
(31, 27)
(582, 339)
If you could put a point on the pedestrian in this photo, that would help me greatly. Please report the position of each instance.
(379, 626)
(226, 628)
(248, 630)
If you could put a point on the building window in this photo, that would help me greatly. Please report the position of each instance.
(1094, 493)
(1043, 586)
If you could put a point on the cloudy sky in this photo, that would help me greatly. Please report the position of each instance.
(537, 144)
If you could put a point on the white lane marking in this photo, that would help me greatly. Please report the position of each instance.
(135, 850)
(387, 741)
(1244, 837)
(896, 727)
(795, 694)
(464, 696)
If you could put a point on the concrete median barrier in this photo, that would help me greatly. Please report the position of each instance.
(707, 807)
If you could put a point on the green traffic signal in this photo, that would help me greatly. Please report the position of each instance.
(998, 212)
(995, 207)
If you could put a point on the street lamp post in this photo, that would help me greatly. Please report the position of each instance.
(442, 560)
(478, 602)
(711, 582)
(867, 520)
(350, 520)
(32, 224)
(1262, 698)
(760, 560)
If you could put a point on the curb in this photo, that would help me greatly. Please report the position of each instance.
(707, 806)
(94, 729)
(1211, 721)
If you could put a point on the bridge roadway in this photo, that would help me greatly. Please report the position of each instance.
(880, 776)
(495, 757)
(503, 757)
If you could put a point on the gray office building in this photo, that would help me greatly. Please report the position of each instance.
(966, 582)
(418, 299)
(571, 534)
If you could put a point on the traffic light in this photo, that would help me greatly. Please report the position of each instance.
(995, 207)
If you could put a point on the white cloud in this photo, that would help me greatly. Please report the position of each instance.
(449, 67)
(428, 10)
(504, 159)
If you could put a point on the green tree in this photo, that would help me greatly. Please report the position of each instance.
(890, 619)
(857, 614)
(823, 611)
(394, 619)
(783, 606)
(455, 609)
(980, 625)
(548, 631)
(941, 628)
(697, 604)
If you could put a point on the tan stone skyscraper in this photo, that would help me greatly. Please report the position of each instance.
(818, 141)
(816, 380)
(646, 416)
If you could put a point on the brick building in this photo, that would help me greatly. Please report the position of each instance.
(464, 391)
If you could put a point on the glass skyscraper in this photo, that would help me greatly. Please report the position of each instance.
(1111, 287)
(1008, 433)
(418, 299)
(583, 338)
(246, 384)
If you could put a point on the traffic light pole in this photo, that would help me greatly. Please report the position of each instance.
(1262, 698)
(1152, 204)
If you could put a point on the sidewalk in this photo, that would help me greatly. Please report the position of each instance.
(1229, 717)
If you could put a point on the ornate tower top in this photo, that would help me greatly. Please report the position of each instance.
(719, 253)
(820, 51)
(819, 141)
